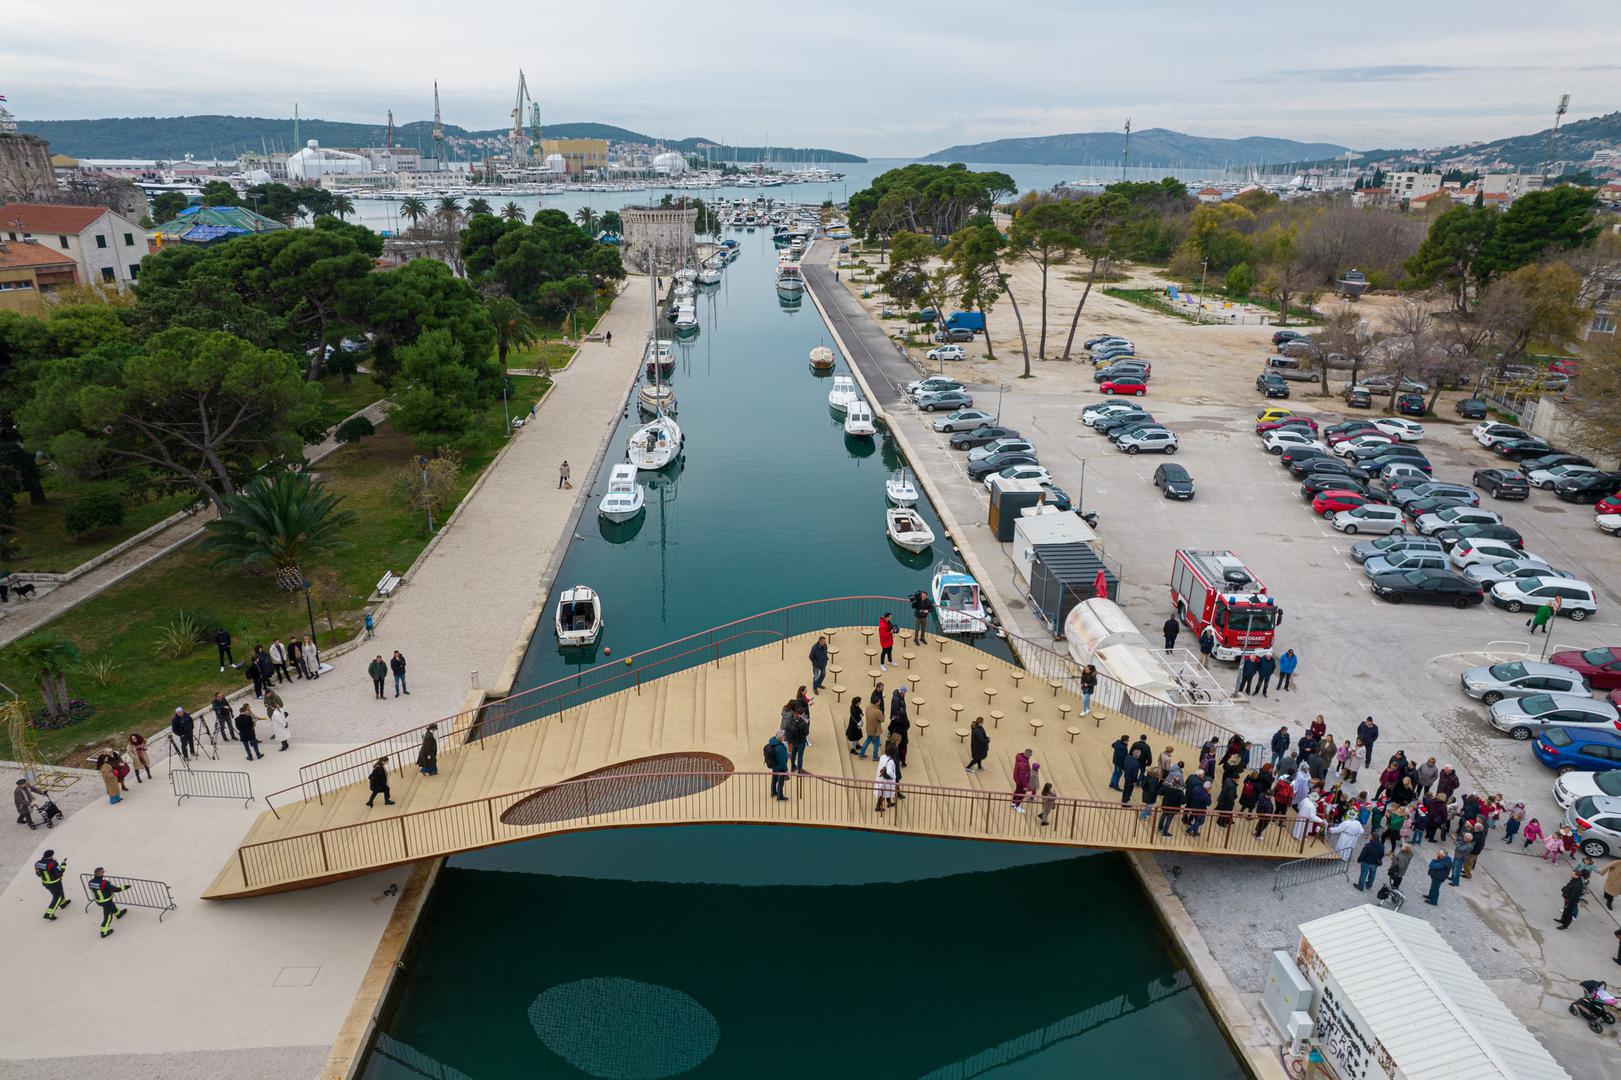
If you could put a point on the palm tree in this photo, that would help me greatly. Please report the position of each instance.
(48, 658)
(450, 207)
(413, 208)
(342, 205)
(479, 206)
(586, 217)
(512, 212)
(278, 524)
(514, 329)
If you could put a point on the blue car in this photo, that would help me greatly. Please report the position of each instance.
(1570, 749)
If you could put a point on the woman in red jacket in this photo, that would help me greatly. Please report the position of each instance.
(886, 642)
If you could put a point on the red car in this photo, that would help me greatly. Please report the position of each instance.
(1565, 366)
(1134, 387)
(1601, 666)
(1304, 422)
(1330, 503)
(1610, 504)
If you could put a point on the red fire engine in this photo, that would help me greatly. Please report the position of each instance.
(1216, 589)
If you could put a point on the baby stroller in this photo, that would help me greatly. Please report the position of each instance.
(1594, 1005)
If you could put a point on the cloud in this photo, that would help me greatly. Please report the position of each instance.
(1368, 73)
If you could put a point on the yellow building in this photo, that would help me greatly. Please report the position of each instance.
(28, 271)
(579, 155)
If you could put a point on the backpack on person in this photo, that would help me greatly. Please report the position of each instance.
(770, 757)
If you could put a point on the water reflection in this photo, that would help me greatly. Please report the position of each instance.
(860, 446)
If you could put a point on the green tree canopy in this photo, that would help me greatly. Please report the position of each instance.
(937, 199)
(282, 524)
(440, 390)
(1448, 255)
(396, 306)
(166, 206)
(1537, 224)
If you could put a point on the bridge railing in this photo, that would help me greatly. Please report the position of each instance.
(720, 797)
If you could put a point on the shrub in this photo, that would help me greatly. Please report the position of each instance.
(93, 513)
(1240, 281)
(354, 429)
(181, 635)
(100, 669)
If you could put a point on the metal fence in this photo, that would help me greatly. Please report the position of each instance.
(718, 796)
(133, 892)
(211, 784)
(1304, 871)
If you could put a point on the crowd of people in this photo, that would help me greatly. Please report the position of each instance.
(278, 662)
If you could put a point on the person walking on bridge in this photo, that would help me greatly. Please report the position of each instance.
(886, 641)
(776, 759)
(428, 755)
(49, 870)
(378, 781)
(922, 607)
(1021, 778)
(378, 672)
(818, 662)
(979, 744)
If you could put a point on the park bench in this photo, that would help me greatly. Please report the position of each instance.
(388, 583)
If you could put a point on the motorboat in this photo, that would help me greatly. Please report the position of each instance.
(907, 529)
(579, 616)
(686, 275)
(660, 359)
(624, 498)
(900, 490)
(686, 319)
(858, 420)
(656, 397)
(789, 280)
(958, 606)
(821, 358)
(843, 393)
(709, 275)
(655, 444)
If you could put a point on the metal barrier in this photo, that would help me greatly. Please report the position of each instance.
(715, 796)
(1304, 871)
(211, 784)
(133, 892)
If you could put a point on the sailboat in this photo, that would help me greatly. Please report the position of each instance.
(821, 358)
(900, 490)
(656, 443)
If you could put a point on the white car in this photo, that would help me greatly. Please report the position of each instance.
(1579, 783)
(1405, 430)
(947, 352)
(1601, 816)
(1547, 478)
(1430, 524)
(1469, 552)
(1369, 518)
(1490, 573)
(1347, 447)
(1092, 416)
(1151, 441)
(964, 420)
(1490, 431)
(1022, 472)
(1276, 440)
(931, 384)
(1576, 598)
(1610, 523)
(1398, 472)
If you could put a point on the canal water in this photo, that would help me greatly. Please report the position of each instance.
(740, 952)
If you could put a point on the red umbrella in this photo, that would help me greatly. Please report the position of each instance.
(1100, 586)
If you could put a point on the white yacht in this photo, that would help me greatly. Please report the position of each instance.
(579, 616)
(958, 606)
(900, 490)
(907, 529)
(709, 275)
(858, 420)
(624, 498)
(686, 318)
(843, 393)
(789, 281)
(656, 397)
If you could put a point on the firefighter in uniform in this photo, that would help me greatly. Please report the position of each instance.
(49, 871)
(103, 891)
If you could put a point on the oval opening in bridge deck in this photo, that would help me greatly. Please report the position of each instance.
(629, 784)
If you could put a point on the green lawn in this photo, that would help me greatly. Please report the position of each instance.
(344, 400)
(124, 622)
(43, 543)
(553, 354)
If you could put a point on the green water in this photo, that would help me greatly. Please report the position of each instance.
(863, 956)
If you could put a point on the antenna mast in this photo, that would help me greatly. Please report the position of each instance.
(1125, 149)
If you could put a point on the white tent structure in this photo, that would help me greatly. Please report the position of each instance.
(312, 163)
(670, 164)
(1098, 632)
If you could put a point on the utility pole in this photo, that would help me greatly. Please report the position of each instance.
(1198, 313)
(422, 462)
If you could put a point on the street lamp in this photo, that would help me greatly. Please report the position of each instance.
(309, 609)
(422, 462)
(506, 386)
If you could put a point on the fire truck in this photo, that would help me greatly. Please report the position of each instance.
(1216, 589)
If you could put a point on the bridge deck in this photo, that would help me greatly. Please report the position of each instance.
(714, 718)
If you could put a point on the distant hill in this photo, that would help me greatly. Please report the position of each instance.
(1575, 143)
(1156, 147)
(171, 137)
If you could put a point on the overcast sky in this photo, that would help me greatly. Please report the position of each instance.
(888, 78)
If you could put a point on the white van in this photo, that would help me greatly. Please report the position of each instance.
(1575, 598)
(1370, 517)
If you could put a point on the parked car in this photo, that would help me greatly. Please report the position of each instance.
(1453, 535)
(979, 470)
(1396, 427)
(1355, 426)
(1548, 478)
(1576, 598)
(1402, 472)
(1433, 504)
(1363, 550)
(952, 334)
(1588, 761)
(1099, 411)
(943, 399)
(1427, 587)
(964, 420)
(1467, 553)
(1271, 385)
(1596, 821)
(1125, 384)
(1387, 449)
(1110, 424)
(1489, 432)
(1402, 561)
(1173, 481)
(1372, 518)
(1276, 440)
(1146, 424)
(1279, 337)
(1024, 470)
(1502, 483)
(1302, 424)
(1057, 498)
(1471, 408)
(931, 384)
(1094, 342)
(1430, 524)
(1601, 667)
(1520, 449)
(1521, 717)
(1110, 354)
(947, 352)
(1357, 398)
(1548, 461)
(1490, 573)
(1610, 504)
(1347, 447)
(1412, 405)
(1149, 442)
(1343, 433)
(1126, 370)
(1589, 487)
(1410, 465)
(1492, 683)
(981, 436)
(1300, 348)
(1608, 523)
(1332, 502)
(1434, 489)
(1272, 412)
(1385, 382)
(1001, 445)
(1314, 484)
(1321, 466)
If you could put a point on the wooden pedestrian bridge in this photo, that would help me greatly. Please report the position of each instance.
(673, 736)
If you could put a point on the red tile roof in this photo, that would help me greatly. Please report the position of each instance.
(48, 218)
(1210, 191)
(14, 255)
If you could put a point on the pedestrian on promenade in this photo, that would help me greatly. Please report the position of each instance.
(900, 724)
(1171, 797)
(280, 726)
(1554, 846)
(922, 607)
(885, 784)
(1367, 733)
(1424, 776)
(272, 700)
(1131, 773)
(49, 870)
(378, 780)
(1119, 750)
(1142, 752)
(1280, 745)
(1612, 883)
(1207, 645)
(852, 729)
(1345, 835)
(396, 664)
(1264, 811)
(1533, 832)
(184, 728)
(312, 655)
(102, 892)
(1170, 630)
(223, 726)
(1368, 861)
(371, 627)
(266, 666)
(1197, 799)
(1021, 778)
(247, 731)
(874, 725)
(1286, 669)
(1460, 853)
(1440, 869)
(1540, 620)
(1399, 862)
(1264, 667)
(278, 660)
(1224, 802)
(1238, 669)
(138, 754)
(797, 726)
(1249, 672)
(23, 795)
(1089, 685)
(428, 755)
(562, 476)
(222, 641)
(776, 759)
(378, 672)
(818, 662)
(1571, 893)
(1446, 782)
(979, 744)
(295, 656)
(886, 641)
(1049, 800)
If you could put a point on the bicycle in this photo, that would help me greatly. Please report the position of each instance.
(1191, 691)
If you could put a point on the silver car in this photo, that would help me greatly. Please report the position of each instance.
(1490, 573)
(1429, 524)
(1522, 717)
(1492, 683)
(1399, 561)
(1596, 821)
(1363, 550)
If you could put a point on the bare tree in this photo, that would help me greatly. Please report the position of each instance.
(1593, 399)
(1346, 335)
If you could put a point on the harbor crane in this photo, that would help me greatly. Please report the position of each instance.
(517, 137)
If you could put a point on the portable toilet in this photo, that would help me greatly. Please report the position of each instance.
(1008, 499)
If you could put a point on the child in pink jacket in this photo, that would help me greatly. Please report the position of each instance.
(1533, 832)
